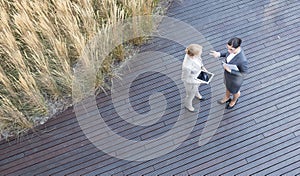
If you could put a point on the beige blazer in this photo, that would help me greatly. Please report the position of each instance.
(191, 67)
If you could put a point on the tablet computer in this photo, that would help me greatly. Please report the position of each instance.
(205, 76)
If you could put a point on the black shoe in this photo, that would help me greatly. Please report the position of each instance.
(230, 107)
(220, 101)
(202, 99)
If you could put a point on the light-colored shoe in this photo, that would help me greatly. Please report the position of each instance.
(191, 109)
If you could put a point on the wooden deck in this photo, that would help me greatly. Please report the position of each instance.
(260, 136)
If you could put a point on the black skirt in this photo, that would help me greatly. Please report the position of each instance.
(233, 83)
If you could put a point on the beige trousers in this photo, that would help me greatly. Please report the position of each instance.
(191, 90)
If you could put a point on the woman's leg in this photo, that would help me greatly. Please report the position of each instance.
(190, 91)
(198, 95)
(226, 97)
(235, 97)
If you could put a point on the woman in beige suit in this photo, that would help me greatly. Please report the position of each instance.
(191, 67)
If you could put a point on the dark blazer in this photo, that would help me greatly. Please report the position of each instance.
(233, 81)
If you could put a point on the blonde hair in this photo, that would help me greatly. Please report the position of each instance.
(194, 49)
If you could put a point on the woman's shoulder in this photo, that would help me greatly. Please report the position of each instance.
(242, 55)
(186, 60)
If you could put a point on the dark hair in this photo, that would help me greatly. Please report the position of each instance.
(235, 42)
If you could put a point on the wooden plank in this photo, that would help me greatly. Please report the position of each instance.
(266, 144)
(31, 136)
(240, 153)
(284, 167)
(269, 161)
(238, 146)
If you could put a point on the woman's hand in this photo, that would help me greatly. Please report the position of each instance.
(215, 54)
(203, 68)
(199, 81)
(226, 68)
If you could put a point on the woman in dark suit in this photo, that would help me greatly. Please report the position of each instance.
(233, 78)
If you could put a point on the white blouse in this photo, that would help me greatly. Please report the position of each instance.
(191, 67)
(231, 56)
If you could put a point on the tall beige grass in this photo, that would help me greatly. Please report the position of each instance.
(40, 42)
